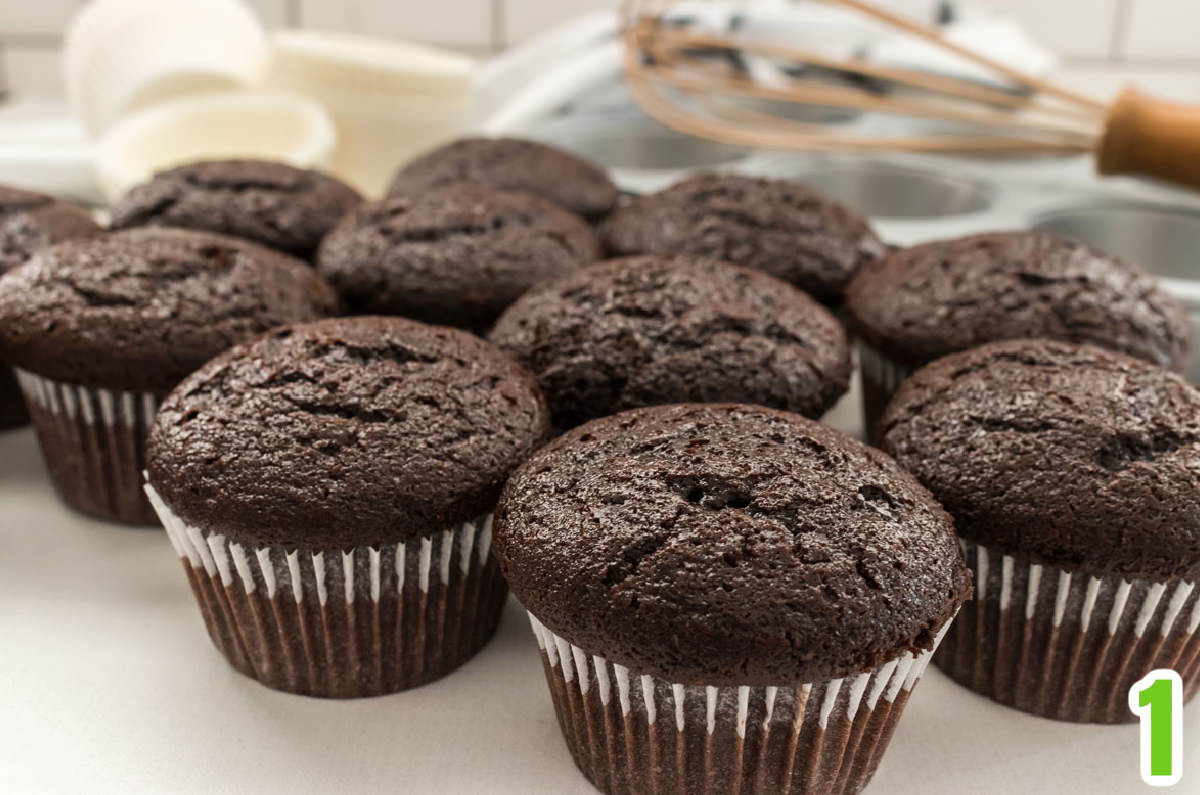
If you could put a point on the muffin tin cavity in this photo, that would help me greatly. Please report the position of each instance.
(1163, 240)
(645, 144)
(642, 154)
(883, 190)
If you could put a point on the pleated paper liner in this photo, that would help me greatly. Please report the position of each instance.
(881, 377)
(344, 624)
(632, 733)
(93, 442)
(1067, 645)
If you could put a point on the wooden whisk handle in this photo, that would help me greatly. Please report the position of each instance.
(1148, 137)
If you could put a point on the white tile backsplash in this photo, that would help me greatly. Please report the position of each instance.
(524, 19)
(1162, 29)
(1104, 82)
(273, 13)
(1072, 28)
(35, 17)
(459, 22)
(1104, 42)
(32, 72)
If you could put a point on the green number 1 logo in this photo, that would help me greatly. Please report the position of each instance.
(1157, 699)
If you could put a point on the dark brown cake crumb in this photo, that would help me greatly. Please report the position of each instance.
(457, 254)
(649, 330)
(29, 221)
(924, 302)
(516, 165)
(142, 308)
(723, 544)
(286, 208)
(345, 433)
(1069, 455)
(772, 225)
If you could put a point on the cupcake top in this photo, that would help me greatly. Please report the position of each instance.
(924, 302)
(344, 433)
(1065, 454)
(29, 221)
(457, 254)
(642, 331)
(277, 205)
(140, 309)
(723, 544)
(516, 165)
(772, 225)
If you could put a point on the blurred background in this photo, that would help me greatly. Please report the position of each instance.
(97, 96)
(1102, 43)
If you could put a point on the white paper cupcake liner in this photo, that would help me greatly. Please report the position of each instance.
(344, 623)
(632, 733)
(881, 377)
(1067, 645)
(93, 441)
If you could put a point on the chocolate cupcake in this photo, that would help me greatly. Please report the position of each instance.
(1071, 473)
(513, 164)
(456, 255)
(924, 302)
(727, 598)
(286, 208)
(649, 330)
(329, 489)
(29, 221)
(99, 330)
(772, 225)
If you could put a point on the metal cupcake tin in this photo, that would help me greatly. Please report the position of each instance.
(890, 191)
(1162, 238)
(642, 154)
(916, 198)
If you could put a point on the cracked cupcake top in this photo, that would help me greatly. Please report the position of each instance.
(277, 205)
(924, 302)
(516, 165)
(772, 225)
(456, 255)
(1065, 454)
(29, 221)
(723, 544)
(140, 309)
(643, 331)
(344, 433)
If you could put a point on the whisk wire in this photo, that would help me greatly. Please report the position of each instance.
(934, 37)
(687, 79)
(833, 96)
(667, 45)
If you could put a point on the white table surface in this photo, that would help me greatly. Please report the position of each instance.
(108, 683)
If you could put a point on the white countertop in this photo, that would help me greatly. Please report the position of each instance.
(108, 683)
